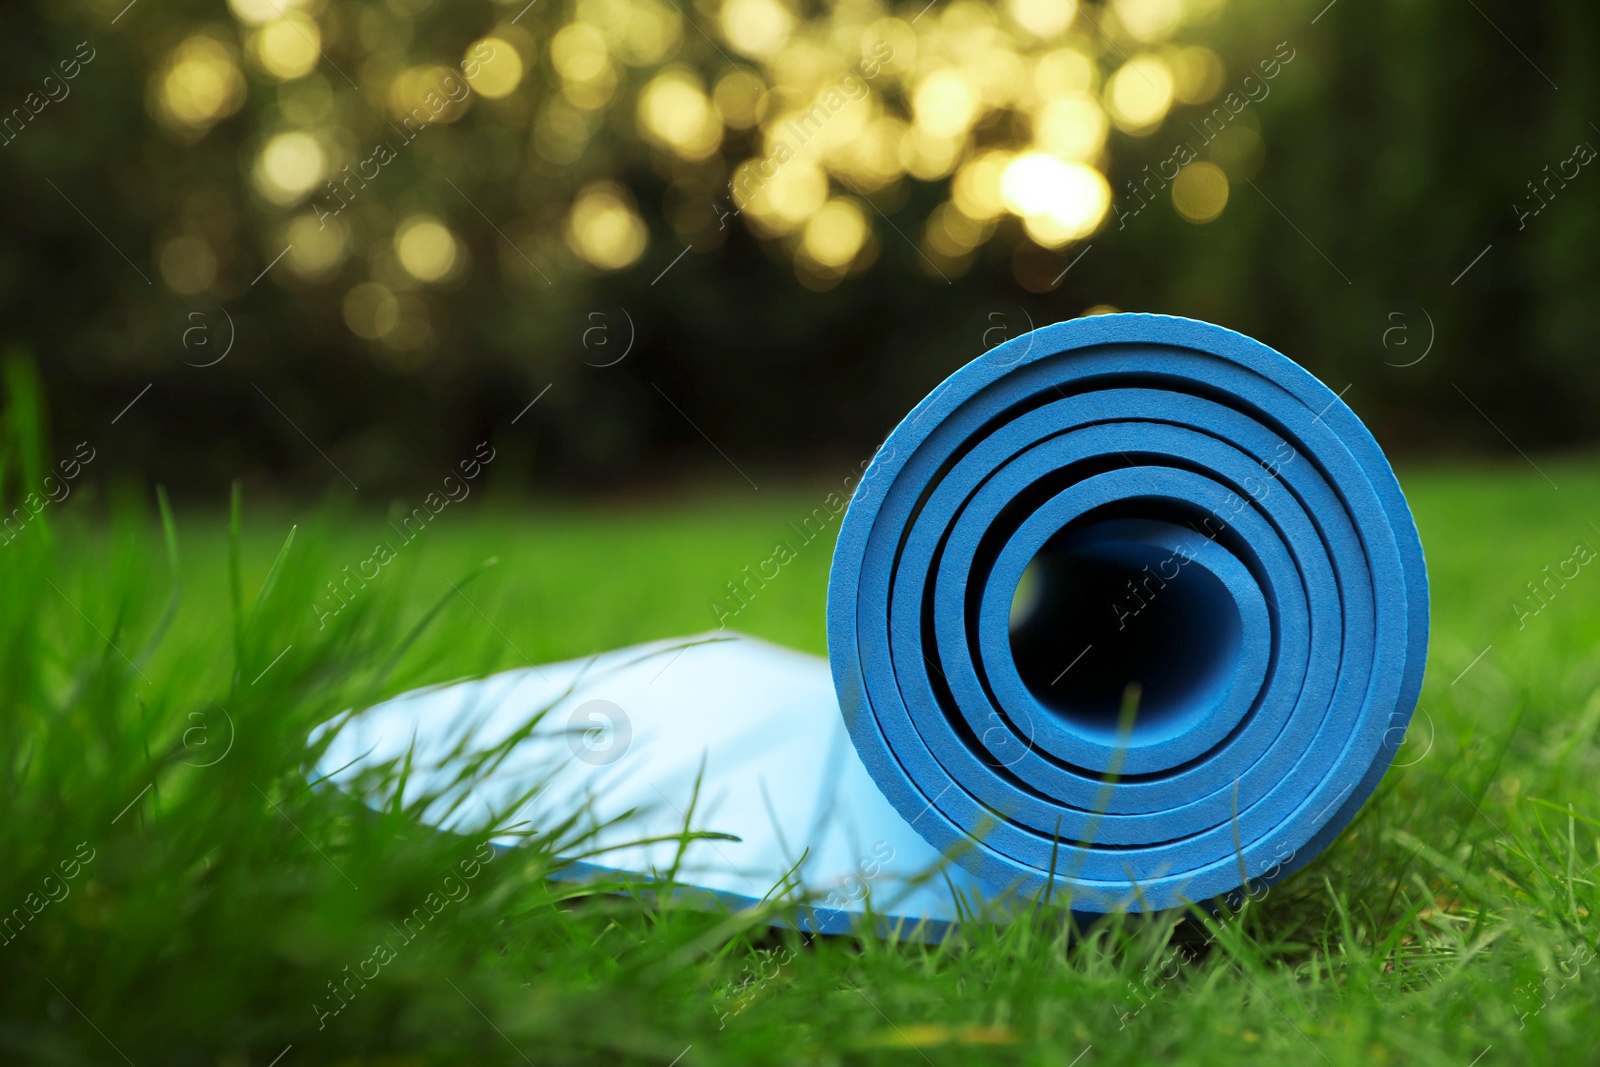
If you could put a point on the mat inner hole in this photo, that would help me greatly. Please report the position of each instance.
(1086, 621)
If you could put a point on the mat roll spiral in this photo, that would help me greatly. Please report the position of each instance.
(1132, 606)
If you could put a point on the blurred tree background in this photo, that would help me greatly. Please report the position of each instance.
(366, 234)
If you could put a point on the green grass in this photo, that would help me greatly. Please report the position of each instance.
(1457, 914)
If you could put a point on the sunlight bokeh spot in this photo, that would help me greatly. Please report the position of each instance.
(604, 228)
(370, 310)
(579, 52)
(1073, 128)
(188, 265)
(1197, 74)
(871, 159)
(289, 167)
(945, 103)
(1140, 94)
(201, 83)
(675, 113)
(1200, 192)
(836, 233)
(288, 47)
(756, 27)
(1150, 20)
(315, 248)
(430, 94)
(1044, 19)
(426, 248)
(953, 233)
(1062, 73)
(928, 156)
(580, 55)
(741, 98)
(256, 12)
(976, 189)
(1058, 201)
(652, 33)
(500, 75)
(778, 201)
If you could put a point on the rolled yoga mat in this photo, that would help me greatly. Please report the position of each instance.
(1129, 611)
(1114, 500)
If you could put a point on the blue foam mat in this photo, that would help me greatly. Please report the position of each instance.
(1042, 441)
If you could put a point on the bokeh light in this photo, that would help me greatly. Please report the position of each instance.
(315, 247)
(200, 83)
(289, 167)
(836, 234)
(781, 202)
(430, 93)
(1197, 73)
(426, 248)
(1045, 19)
(287, 47)
(1140, 94)
(1073, 127)
(604, 228)
(675, 113)
(580, 56)
(952, 234)
(797, 115)
(1200, 192)
(870, 159)
(1057, 200)
(371, 310)
(640, 33)
(976, 189)
(945, 103)
(256, 12)
(740, 98)
(502, 73)
(188, 265)
(928, 156)
(1149, 20)
(562, 131)
(756, 27)
(1063, 72)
